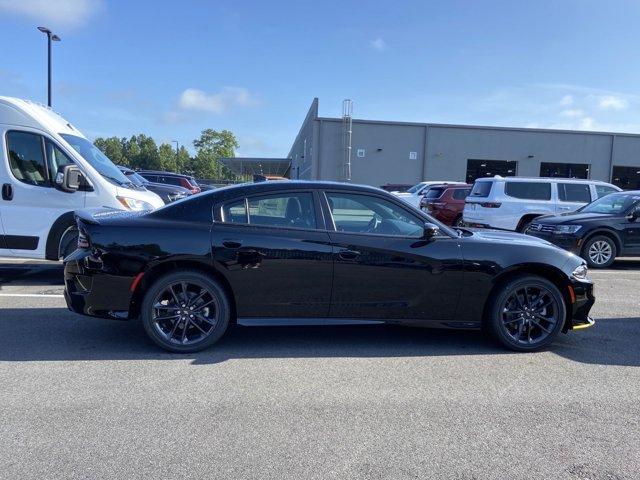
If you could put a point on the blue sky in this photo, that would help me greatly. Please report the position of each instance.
(171, 69)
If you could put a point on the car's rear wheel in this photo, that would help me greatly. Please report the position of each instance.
(599, 251)
(527, 313)
(185, 311)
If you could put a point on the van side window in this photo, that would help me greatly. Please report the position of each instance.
(26, 158)
(574, 192)
(57, 158)
(528, 190)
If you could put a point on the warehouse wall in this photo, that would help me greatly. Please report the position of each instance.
(304, 149)
(450, 147)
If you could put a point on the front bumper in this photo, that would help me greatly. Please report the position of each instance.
(90, 289)
(582, 296)
(571, 243)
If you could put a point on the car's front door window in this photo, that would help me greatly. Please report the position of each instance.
(26, 158)
(355, 213)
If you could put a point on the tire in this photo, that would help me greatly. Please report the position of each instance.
(165, 314)
(63, 239)
(526, 324)
(524, 224)
(599, 251)
(68, 242)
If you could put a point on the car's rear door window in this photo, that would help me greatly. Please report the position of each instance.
(283, 210)
(481, 189)
(528, 190)
(235, 212)
(574, 192)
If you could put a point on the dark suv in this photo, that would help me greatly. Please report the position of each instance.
(599, 231)
(185, 181)
(445, 202)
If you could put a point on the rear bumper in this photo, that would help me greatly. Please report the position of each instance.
(90, 290)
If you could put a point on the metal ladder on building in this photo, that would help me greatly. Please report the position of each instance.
(347, 112)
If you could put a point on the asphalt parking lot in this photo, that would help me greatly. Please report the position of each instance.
(89, 398)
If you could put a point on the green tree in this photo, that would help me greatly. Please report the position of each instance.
(167, 157)
(210, 147)
(132, 152)
(184, 161)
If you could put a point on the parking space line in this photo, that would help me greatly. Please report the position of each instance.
(47, 295)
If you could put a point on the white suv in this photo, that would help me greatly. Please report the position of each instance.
(512, 203)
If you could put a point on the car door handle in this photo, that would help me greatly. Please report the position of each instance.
(228, 243)
(7, 191)
(348, 254)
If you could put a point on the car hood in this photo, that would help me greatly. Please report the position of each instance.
(571, 218)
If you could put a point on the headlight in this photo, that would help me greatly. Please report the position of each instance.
(564, 229)
(134, 204)
(580, 272)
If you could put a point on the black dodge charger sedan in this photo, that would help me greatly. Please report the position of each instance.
(317, 252)
(599, 231)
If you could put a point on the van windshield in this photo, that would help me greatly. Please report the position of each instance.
(97, 159)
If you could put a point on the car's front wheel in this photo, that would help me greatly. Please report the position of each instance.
(185, 311)
(599, 251)
(527, 313)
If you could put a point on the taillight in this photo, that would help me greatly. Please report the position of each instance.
(83, 239)
(490, 205)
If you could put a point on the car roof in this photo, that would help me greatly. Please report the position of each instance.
(243, 189)
(498, 178)
(451, 185)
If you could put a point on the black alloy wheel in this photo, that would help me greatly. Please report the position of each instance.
(185, 311)
(527, 313)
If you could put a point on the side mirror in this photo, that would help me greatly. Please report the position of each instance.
(634, 214)
(69, 178)
(430, 230)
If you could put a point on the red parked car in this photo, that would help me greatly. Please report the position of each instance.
(445, 202)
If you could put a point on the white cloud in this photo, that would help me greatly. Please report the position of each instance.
(54, 13)
(566, 100)
(572, 112)
(587, 123)
(612, 102)
(194, 99)
(378, 44)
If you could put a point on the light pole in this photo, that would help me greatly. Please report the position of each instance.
(51, 37)
(177, 146)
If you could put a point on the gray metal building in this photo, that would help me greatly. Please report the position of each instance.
(379, 152)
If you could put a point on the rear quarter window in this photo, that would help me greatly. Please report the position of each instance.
(461, 194)
(481, 189)
(528, 190)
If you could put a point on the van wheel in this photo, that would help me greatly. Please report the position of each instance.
(526, 314)
(68, 242)
(599, 251)
(185, 311)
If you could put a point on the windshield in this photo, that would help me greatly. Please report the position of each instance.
(135, 178)
(434, 193)
(614, 203)
(97, 159)
(415, 188)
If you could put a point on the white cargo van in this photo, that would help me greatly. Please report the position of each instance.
(48, 169)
